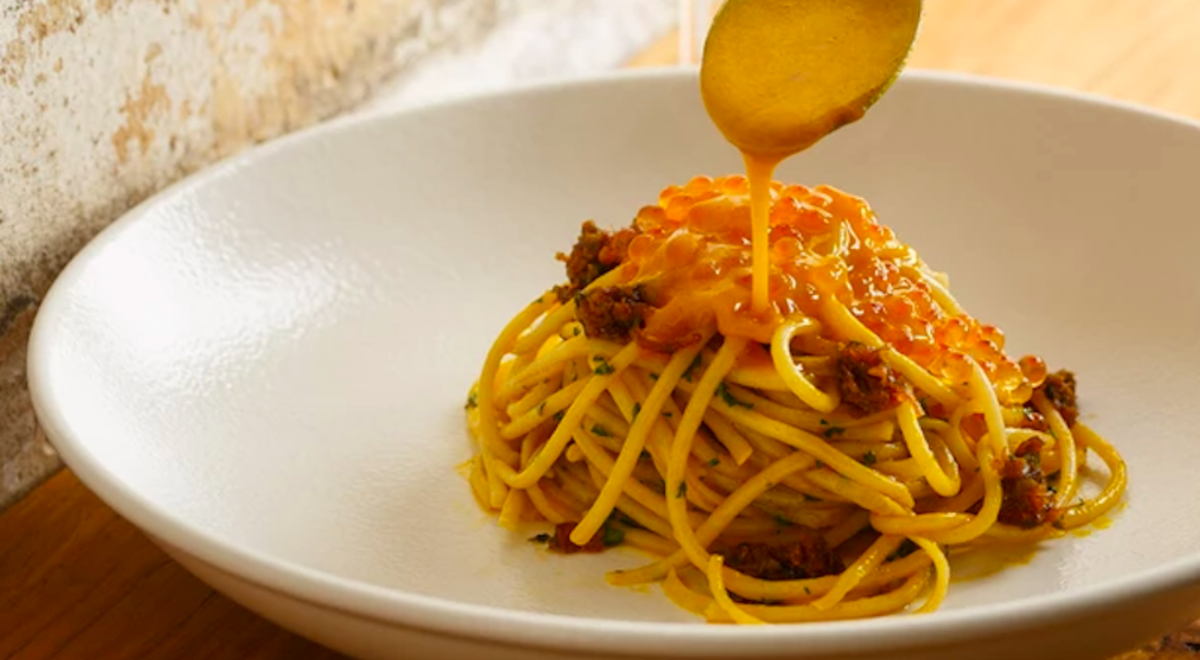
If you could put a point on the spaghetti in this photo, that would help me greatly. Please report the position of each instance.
(817, 459)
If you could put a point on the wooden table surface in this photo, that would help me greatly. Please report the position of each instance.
(77, 581)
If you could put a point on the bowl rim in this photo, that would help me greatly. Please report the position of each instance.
(544, 630)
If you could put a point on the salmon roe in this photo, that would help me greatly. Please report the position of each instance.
(693, 255)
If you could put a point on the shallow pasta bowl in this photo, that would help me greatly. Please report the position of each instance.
(264, 367)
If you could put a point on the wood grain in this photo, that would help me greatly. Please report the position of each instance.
(1144, 51)
(77, 581)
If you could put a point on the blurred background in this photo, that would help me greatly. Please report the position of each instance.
(104, 102)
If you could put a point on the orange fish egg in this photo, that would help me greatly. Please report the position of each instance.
(694, 255)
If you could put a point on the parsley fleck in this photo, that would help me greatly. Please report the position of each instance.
(682, 490)
(869, 458)
(541, 408)
(472, 400)
(820, 464)
(644, 455)
(602, 368)
(713, 462)
(781, 521)
(558, 416)
(907, 547)
(601, 431)
(637, 408)
(810, 498)
(626, 520)
(833, 431)
(653, 376)
(807, 591)
(824, 422)
(729, 399)
(612, 536)
(687, 374)
(540, 538)
(667, 414)
(576, 331)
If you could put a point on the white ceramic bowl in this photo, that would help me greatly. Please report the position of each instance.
(264, 367)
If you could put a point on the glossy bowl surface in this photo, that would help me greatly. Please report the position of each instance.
(264, 367)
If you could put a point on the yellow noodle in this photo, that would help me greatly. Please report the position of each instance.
(1108, 498)
(632, 449)
(943, 478)
(781, 354)
(717, 584)
(866, 564)
(941, 569)
(689, 454)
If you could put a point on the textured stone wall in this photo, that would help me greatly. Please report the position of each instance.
(104, 101)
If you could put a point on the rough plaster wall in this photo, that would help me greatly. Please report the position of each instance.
(104, 101)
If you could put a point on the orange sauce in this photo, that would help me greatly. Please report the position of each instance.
(759, 172)
(694, 258)
(778, 75)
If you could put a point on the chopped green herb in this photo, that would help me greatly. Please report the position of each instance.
(781, 521)
(644, 455)
(558, 416)
(601, 431)
(714, 462)
(612, 536)
(824, 422)
(538, 301)
(907, 547)
(653, 376)
(810, 498)
(667, 414)
(807, 591)
(625, 520)
(820, 464)
(575, 331)
(869, 458)
(602, 368)
(472, 400)
(681, 492)
(541, 408)
(729, 399)
(540, 538)
(637, 408)
(833, 431)
(687, 374)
